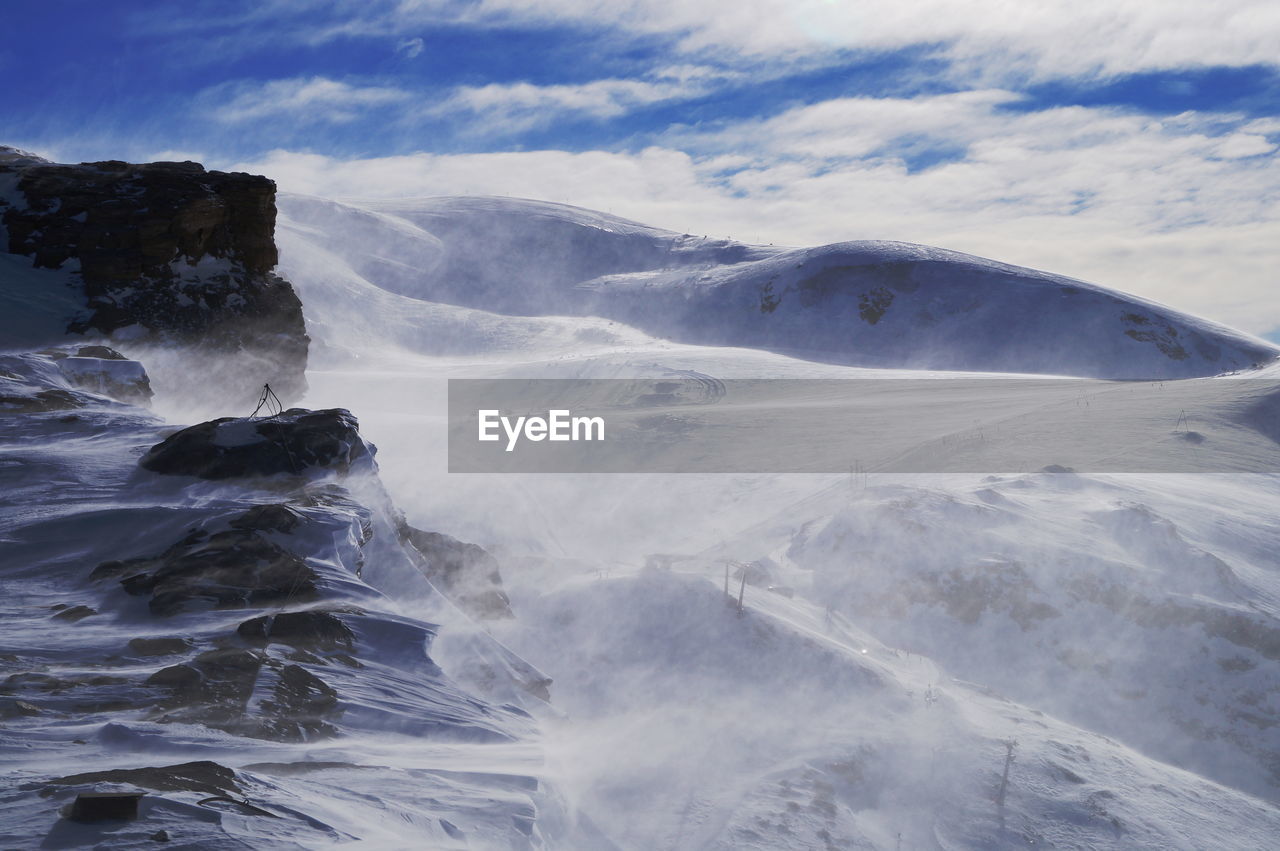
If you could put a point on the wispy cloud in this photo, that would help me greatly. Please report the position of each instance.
(307, 99)
(515, 107)
(411, 47)
(988, 40)
(1046, 38)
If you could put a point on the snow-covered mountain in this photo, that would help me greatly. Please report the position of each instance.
(1138, 608)
(244, 620)
(881, 304)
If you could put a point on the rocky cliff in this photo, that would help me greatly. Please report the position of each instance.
(166, 254)
(240, 590)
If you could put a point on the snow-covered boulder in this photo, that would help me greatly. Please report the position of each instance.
(57, 380)
(295, 442)
(104, 371)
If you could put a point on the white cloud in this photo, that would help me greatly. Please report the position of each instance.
(514, 107)
(309, 99)
(1244, 145)
(990, 39)
(1183, 211)
(411, 47)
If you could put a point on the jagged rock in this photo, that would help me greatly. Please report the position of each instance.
(103, 352)
(214, 689)
(204, 777)
(293, 442)
(312, 630)
(299, 708)
(465, 573)
(233, 569)
(167, 252)
(271, 517)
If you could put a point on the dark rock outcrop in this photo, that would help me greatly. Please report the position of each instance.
(269, 517)
(465, 573)
(233, 569)
(206, 778)
(309, 630)
(294, 442)
(167, 253)
(103, 352)
(215, 688)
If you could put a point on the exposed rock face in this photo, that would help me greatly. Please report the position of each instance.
(294, 442)
(239, 608)
(215, 689)
(167, 252)
(312, 629)
(233, 569)
(207, 778)
(465, 573)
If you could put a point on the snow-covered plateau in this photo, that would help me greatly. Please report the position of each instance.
(280, 636)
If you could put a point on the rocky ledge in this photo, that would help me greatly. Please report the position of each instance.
(167, 253)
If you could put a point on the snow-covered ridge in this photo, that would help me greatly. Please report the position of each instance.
(242, 599)
(882, 304)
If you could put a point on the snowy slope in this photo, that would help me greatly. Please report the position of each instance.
(693, 726)
(1118, 602)
(1120, 629)
(866, 303)
(1004, 583)
(1128, 619)
(344, 729)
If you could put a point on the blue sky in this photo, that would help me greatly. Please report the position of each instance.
(1127, 142)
